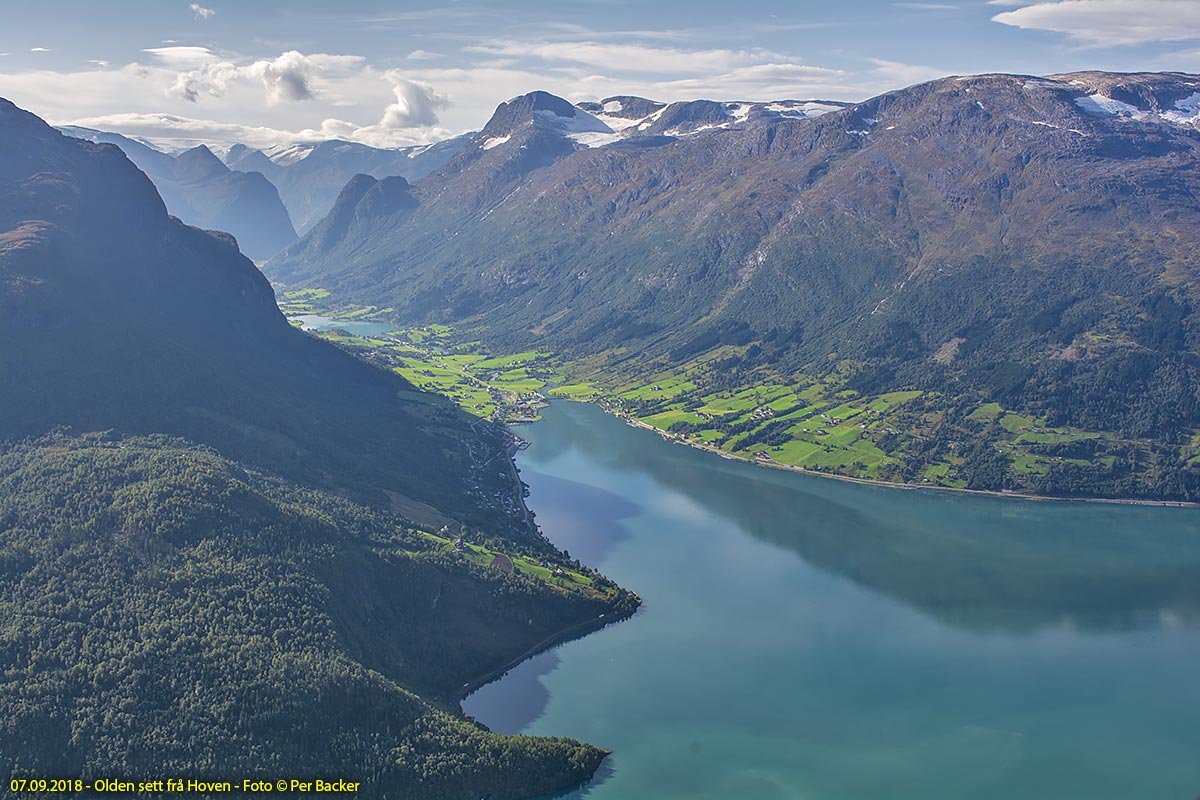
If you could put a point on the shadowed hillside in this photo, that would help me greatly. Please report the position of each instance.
(230, 549)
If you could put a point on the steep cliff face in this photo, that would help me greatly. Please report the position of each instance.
(199, 189)
(114, 315)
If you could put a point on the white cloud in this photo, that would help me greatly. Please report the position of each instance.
(1111, 22)
(422, 55)
(154, 126)
(97, 61)
(211, 79)
(416, 104)
(927, 6)
(201, 12)
(182, 56)
(291, 76)
(896, 74)
(175, 128)
(295, 96)
(288, 77)
(755, 82)
(39, 49)
(626, 57)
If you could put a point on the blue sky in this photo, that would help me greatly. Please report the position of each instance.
(390, 73)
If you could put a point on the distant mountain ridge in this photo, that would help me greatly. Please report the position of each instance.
(310, 175)
(199, 189)
(1030, 240)
(625, 117)
(223, 188)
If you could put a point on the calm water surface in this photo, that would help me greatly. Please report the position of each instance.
(316, 322)
(813, 639)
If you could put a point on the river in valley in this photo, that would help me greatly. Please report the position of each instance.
(822, 640)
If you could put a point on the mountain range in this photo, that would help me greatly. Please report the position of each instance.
(1008, 241)
(310, 175)
(227, 547)
(199, 189)
(257, 195)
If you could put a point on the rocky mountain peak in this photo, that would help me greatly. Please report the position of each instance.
(623, 107)
(198, 162)
(542, 110)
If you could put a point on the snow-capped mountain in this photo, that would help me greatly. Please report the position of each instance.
(1176, 103)
(625, 117)
(309, 175)
(306, 176)
(1029, 241)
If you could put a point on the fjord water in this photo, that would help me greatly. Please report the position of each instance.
(321, 324)
(817, 639)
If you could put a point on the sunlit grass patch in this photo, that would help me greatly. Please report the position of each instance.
(508, 362)
(578, 391)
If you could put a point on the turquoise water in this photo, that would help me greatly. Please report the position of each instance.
(819, 640)
(316, 322)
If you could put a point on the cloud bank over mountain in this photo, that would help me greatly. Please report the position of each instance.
(267, 75)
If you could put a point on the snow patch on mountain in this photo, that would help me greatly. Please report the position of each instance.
(582, 122)
(1187, 111)
(288, 154)
(595, 138)
(650, 120)
(1057, 127)
(1100, 104)
(805, 109)
(617, 123)
(739, 111)
(712, 126)
(628, 117)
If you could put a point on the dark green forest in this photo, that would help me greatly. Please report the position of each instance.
(166, 611)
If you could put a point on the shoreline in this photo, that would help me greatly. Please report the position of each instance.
(589, 626)
(888, 484)
(584, 628)
(772, 464)
(569, 633)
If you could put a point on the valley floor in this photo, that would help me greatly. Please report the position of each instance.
(809, 423)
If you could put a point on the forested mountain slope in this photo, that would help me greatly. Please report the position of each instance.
(228, 549)
(994, 239)
(165, 611)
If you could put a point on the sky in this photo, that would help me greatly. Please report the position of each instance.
(391, 74)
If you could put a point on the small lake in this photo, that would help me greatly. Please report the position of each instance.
(318, 323)
(820, 640)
